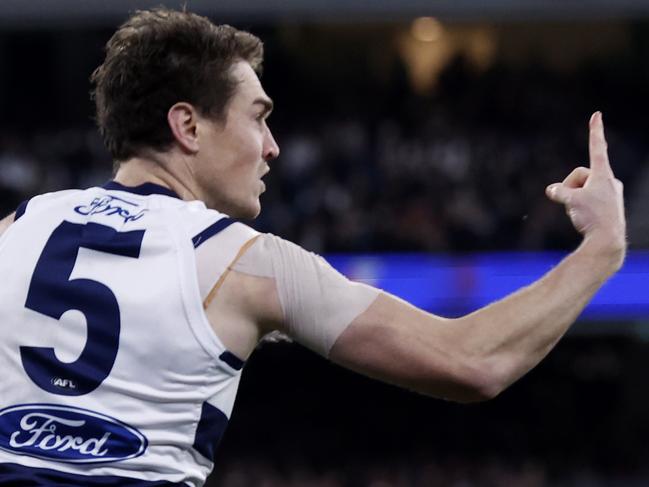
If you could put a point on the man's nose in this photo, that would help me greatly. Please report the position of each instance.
(271, 149)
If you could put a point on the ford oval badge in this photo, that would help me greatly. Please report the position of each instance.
(68, 434)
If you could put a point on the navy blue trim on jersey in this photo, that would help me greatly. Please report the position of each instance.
(15, 475)
(210, 430)
(145, 189)
(212, 230)
(20, 211)
(232, 360)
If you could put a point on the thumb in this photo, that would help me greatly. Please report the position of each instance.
(559, 193)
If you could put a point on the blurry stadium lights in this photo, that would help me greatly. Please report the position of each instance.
(425, 48)
(426, 29)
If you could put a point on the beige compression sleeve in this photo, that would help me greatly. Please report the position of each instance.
(318, 302)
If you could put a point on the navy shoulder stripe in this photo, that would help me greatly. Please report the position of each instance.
(212, 230)
(20, 211)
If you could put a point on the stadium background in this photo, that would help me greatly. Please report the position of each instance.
(432, 138)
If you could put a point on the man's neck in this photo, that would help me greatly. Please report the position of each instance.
(140, 170)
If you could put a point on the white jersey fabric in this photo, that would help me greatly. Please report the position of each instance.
(110, 369)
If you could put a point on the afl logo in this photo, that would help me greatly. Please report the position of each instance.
(65, 383)
(68, 434)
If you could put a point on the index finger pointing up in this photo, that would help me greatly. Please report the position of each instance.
(597, 148)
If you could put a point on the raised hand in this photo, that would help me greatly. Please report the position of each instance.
(593, 197)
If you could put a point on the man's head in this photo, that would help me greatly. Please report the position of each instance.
(158, 58)
(174, 81)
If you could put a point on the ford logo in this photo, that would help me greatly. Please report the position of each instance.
(68, 434)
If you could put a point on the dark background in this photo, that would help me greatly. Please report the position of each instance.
(378, 159)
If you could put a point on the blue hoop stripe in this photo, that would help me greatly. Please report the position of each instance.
(21, 476)
(210, 430)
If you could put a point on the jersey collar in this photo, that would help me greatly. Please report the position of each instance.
(145, 189)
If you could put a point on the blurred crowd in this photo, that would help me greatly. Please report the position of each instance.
(371, 167)
(460, 473)
(578, 420)
(462, 168)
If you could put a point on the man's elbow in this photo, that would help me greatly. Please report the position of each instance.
(484, 389)
(477, 382)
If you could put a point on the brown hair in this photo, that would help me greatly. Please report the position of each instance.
(158, 58)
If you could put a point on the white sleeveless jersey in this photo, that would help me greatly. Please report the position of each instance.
(110, 370)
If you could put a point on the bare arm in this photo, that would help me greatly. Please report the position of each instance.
(473, 357)
(6, 222)
(477, 356)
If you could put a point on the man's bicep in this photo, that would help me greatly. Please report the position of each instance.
(6, 222)
(317, 302)
(356, 325)
(398, 343)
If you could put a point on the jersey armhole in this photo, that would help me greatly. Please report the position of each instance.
(193, 301)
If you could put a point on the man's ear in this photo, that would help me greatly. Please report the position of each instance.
(183, 121)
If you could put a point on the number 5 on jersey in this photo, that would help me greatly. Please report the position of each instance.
(52, 293)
